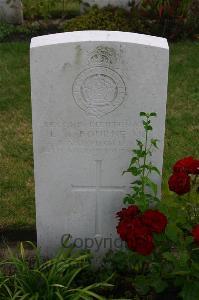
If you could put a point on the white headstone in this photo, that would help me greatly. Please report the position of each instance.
(87, 91)
(11, 11)
(101, 3)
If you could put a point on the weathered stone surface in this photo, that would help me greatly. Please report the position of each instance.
(87, 91)
(11, 11)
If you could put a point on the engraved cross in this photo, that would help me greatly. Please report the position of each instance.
(97, 188)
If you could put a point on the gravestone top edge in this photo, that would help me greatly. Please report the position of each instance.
(99, 36)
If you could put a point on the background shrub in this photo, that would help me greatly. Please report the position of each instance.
(172, 19)
(107, 18)
(182, 23)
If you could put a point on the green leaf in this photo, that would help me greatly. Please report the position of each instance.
(183, 258)
(140, 144)
(148, 182)
(190, 290)
(135, 171)
(153, 114)
(153, 168)
(141, 284)
(139, 153)
(181, 273)
(133, 160)
(148, 127)
(154, 142)
(128, 199)
(173, 232)
(188, 240)
(145, 123)
(142, 202)
(195, 268)
(142, 113)
(169, 256)
(138, 182)
(159, 285)
(136, 188)
(179, 281)
(159, 237)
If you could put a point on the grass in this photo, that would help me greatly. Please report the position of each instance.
(16, 163)
(17, 208)
(182, 122)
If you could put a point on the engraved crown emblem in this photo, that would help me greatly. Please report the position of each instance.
(103, 56)
(99, 90)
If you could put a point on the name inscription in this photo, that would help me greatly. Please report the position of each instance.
(91, 134)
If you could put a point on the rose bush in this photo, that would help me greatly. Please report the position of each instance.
(162, 236)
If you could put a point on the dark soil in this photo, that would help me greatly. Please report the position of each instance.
(12, 235)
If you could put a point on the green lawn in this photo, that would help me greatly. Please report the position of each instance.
(16, 164)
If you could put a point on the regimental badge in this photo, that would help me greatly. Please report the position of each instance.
(99, 89)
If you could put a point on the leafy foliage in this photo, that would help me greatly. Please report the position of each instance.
(141, 167)
(56, 278)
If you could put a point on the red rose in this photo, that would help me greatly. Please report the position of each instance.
(179, 183)
(195, 233)
(132, 227)
(126, 227)
(140, 240)
(154, 220)
(195, 167)
(136, 234)
(122, 230)
(187, 165)
(128, 213)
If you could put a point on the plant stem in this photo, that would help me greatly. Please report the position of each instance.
(145, 156)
